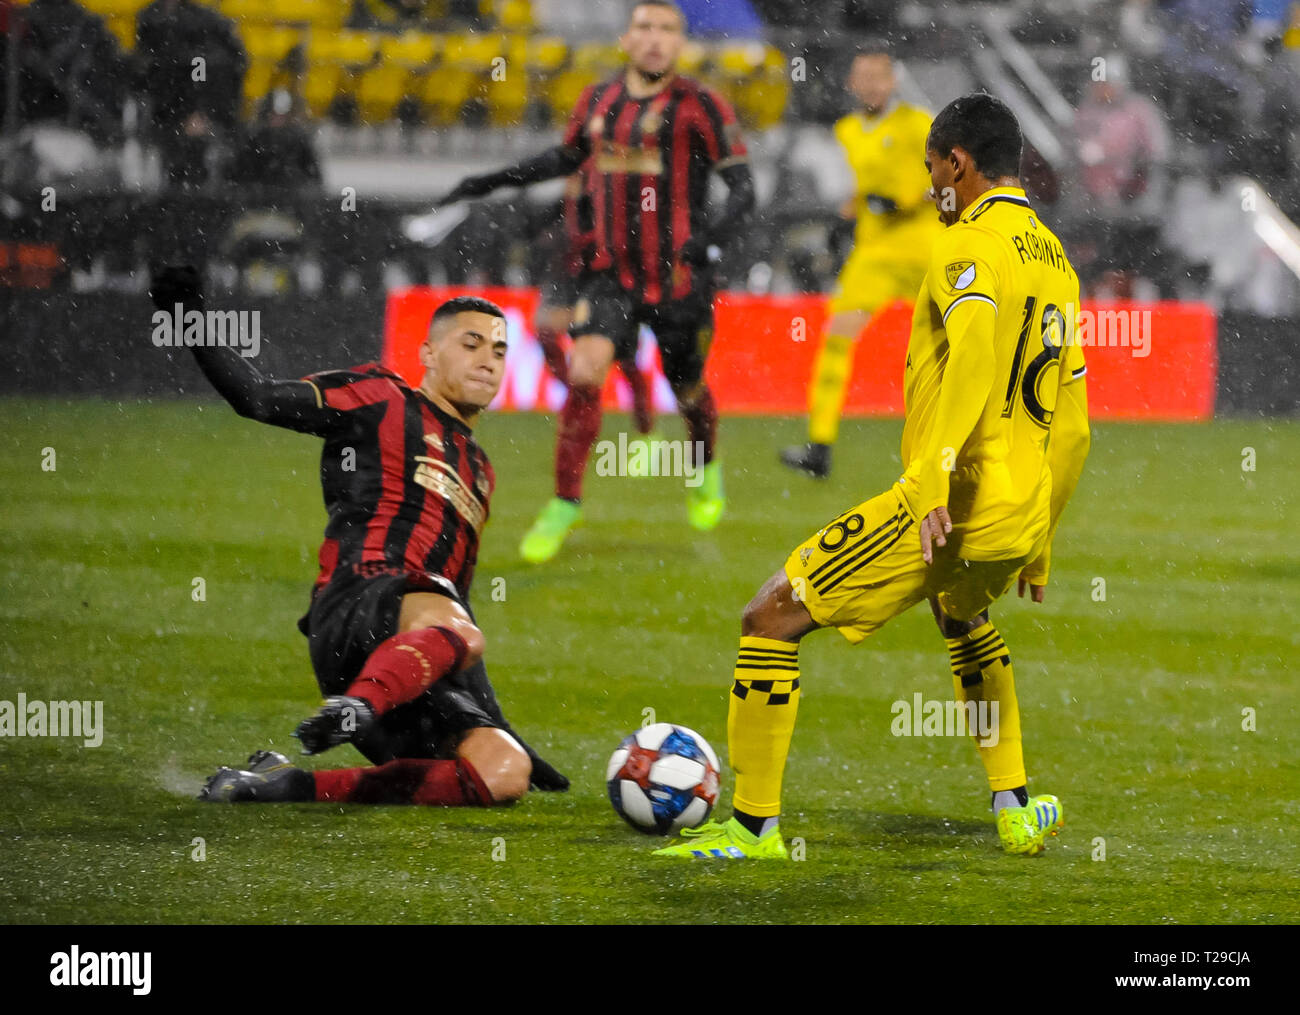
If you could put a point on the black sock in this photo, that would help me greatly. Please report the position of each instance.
(1021, 792)
(749, 822)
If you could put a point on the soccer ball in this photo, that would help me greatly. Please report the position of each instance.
(663, 778)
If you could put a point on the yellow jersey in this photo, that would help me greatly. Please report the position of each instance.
(992, 343)
(887, 156)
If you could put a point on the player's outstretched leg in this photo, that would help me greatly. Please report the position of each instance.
(579, 427)
(435, 638)
(763, 704)
(826, 391)
(489, 768)
(983, 681)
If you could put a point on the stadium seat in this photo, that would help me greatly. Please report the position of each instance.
(317, 13)
(270, 44)
(402, 60)
(515, 16)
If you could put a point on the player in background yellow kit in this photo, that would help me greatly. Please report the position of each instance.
(884, 142)
(994, 440)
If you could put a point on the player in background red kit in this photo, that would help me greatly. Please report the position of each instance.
(391, 636)
(651, 139)
(568, 238)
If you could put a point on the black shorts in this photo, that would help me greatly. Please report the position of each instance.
(683, 328)
(347, 621)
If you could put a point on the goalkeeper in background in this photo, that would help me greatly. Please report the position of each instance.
(884, 142)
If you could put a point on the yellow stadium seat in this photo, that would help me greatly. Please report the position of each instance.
(515, 15)
(411, 49)
(565, 89)
(115, 8)
(473, 52)
(598, 57)
(692, 58)
(445, 90)
(546, 55)
(739, 60)
(270, 44)
(506, 99)
(380, 89)
(123, 29)
(321, 13)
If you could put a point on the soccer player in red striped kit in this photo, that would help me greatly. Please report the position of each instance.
(651, 139)
(391, 636)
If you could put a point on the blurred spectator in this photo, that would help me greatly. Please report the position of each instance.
(191, 66)
(277, 150)
(1122, 146)
(1120, 137)
(72, 70)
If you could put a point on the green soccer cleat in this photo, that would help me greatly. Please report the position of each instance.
(732, 841)
(706, 502)
(544, 539)
(1024, 829)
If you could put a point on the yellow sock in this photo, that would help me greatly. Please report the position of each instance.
(827, 389)
(764, 701)
(981, 671)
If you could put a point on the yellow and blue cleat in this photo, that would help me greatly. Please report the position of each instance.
(730, 841)
(1023, 830)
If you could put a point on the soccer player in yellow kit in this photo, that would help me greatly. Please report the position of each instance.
(884, 142)
(995, 437)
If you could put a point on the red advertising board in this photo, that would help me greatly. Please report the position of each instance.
(1155, 361)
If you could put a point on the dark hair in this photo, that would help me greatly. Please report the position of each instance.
(466, 305)
(681, 15)
(984, 126)
(873, 47)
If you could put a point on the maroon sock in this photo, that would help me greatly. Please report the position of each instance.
(641, 409)
(579, 427)
(424, 781)
(701, 417)
(404, 666)
(549, 340)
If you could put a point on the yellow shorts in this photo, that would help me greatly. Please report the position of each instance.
(870, 281)
(865, 568)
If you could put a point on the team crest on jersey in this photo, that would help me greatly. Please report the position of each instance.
(436, 475)
(960, 274)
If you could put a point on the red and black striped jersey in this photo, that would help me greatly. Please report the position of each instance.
(406, 487)
(647, 177)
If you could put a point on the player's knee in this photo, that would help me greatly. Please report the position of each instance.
(508, 780)
(475, 643)
(764, 609)
(952, 628)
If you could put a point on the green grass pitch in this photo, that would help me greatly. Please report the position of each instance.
(1132, 706)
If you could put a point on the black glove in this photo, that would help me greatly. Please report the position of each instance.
(471, 186)
(545, 777)
(881, 205)
(176, 284)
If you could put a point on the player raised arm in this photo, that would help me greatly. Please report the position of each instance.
(296, 405)
(562, 160)
(1067, 449)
